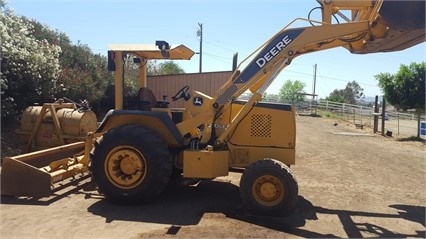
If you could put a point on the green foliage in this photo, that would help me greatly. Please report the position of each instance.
(84, 79)
(349, 95)
(151, 68)
(336, 96)
(40, 65)
(328, 114)
(131, 77)
(83, 74)
(169, 68)
(291, 91)
(164, 68)
(29, 66)
(405, 89)
(353, 92)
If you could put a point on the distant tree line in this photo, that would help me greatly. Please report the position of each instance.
(350, 94)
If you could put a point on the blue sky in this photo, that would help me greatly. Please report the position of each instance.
(233, 26)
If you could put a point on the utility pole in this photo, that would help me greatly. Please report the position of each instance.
(200, 34)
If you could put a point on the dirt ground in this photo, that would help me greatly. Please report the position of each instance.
(352, 183)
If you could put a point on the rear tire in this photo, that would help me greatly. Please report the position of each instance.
(268, 187)
(131, 164)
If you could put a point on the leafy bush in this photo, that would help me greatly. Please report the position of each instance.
(29, 67)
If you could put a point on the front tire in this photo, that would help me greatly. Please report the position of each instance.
(131, 164)
(268, 187)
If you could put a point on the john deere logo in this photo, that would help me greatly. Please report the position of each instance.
(197, 101)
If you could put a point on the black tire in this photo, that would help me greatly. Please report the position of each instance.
(268, 187)
(176, 174)
(131, 164)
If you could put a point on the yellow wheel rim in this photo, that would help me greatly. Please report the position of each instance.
(125, 167)
(268, 190)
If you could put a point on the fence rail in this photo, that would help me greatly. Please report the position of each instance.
(401, 124)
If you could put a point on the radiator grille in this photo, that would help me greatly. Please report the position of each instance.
(261, 125)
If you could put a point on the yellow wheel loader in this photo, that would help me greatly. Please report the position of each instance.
(133, 154)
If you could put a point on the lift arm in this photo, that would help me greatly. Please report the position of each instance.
(364, 31)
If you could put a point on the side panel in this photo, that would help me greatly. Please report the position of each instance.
(268, 131)
(243, 156)
(205, 163)
(160, 122)
(267, 125)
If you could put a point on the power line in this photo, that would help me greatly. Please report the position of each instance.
(216, 56)
(336, 79)
(219, 46)
(330, 78)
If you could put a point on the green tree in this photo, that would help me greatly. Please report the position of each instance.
(336, 96)
(406, 89)
(291, 91)
(164, 68)
(169, 68)
(83, 75)
(350, 95)
(353, 92)
(29, 67)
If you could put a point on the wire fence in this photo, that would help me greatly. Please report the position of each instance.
(397, 123)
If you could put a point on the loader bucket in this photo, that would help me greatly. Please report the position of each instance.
(33, 174)
(405, 24)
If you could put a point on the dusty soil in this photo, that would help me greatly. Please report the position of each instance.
(352, 183)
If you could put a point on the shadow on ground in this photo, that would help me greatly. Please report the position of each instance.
(412, 139)
(181, 206)
(63, 189)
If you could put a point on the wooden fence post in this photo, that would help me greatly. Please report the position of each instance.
(383, 117)
(376, 117)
